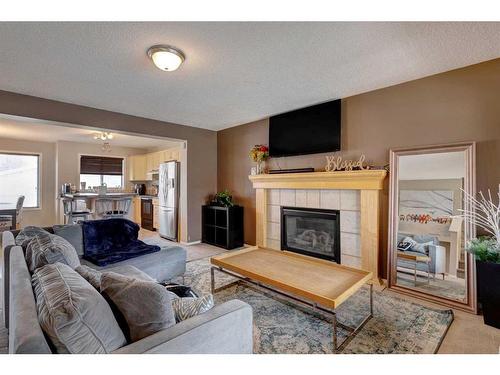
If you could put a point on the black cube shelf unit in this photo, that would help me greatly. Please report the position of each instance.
(222, 226)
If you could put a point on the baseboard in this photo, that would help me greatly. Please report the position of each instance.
(190, 243)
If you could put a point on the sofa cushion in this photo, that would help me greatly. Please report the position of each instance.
(71, 233)
(93, 276)
(187, 307)
(48, 248)
(27, 234)
(162, 265)
(113, 240)
(146, 306)
(74, 316)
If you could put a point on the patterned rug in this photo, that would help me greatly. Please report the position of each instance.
(398, 326)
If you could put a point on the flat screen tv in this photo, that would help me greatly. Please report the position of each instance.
(304, 131)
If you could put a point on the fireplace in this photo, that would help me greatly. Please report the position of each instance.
(311, 231)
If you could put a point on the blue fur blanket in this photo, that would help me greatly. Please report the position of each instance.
(113, 240)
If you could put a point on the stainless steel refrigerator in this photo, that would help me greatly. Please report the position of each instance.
(168, 199)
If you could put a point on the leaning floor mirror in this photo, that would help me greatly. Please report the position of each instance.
(427, 230)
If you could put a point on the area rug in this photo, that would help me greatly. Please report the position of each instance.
(281, 327)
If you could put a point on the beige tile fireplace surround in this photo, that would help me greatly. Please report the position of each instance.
(354, 193)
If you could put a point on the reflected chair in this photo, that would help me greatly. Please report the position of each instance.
(6, 220)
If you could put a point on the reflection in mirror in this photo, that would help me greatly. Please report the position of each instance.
(430, 255)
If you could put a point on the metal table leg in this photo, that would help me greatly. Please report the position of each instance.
(212, 280)
(335, 323)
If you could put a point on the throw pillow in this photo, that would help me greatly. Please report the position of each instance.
(187, 307)
(404, 246)
(74, 316)
(422, 247)
(27, 234)
(145, 305)
(48, 248)
(92, 275)
(73, 234)
(410, 241)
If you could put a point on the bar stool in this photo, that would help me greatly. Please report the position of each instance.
(73, 214)
(113, 207)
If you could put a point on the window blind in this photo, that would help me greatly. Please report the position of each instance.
(101, 165)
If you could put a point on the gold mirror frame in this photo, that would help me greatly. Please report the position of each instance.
(470, 302)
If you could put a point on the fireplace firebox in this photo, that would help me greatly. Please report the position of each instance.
(311, 231)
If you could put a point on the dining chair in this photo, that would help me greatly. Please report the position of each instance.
(6, 220)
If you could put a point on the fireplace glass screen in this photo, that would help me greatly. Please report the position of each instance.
(311, 232)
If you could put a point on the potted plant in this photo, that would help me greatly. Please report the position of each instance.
(258, 154)
(485, 214)
(223, 198)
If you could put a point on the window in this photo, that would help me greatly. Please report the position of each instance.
(19, 176)
(98, 170)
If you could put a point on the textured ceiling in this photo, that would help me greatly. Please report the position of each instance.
(234, 72)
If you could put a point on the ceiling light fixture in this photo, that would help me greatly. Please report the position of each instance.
(166, 58)
(103, 136)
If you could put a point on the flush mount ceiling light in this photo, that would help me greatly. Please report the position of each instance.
(166, 58)
(103, 136)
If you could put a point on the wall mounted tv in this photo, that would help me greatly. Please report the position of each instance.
(304, 131)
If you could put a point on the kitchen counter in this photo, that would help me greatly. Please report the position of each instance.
(96, 195)
(90, 201)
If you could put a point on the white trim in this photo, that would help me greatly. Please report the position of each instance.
(190, 243)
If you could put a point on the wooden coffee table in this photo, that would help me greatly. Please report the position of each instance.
(318, 283)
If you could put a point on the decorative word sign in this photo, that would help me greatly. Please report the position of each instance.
(335, 163)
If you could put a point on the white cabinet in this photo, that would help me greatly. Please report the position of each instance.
(137, 168)
(140, 165)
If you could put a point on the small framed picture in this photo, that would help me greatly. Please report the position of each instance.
(253, 171)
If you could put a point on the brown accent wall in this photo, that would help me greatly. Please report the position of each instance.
(201, 143)
(460, 105)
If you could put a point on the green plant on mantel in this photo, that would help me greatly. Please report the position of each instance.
(224, 198)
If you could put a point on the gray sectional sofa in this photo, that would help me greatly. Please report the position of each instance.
(226, 328)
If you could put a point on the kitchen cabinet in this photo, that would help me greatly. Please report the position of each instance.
(140, 165)
(137, 168)
(149, 162)
(136, 202)
(170, 155)
(156, 214)
(157, 156)
(174, 155)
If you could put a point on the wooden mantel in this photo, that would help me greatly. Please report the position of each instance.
(355, 180)
(368, 182)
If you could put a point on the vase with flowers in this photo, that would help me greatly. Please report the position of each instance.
(258, 154)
